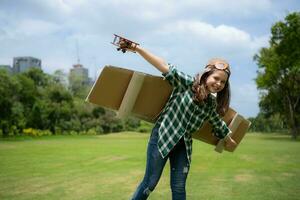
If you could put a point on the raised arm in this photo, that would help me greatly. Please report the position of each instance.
(156, 61)
(125, 44)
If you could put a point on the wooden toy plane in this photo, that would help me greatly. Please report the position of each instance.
(143, 95)
(124, 44)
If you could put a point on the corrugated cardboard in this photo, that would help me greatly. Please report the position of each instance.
(144, 96)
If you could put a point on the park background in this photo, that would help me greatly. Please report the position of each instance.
(54, 145)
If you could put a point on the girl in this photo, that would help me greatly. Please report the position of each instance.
(190, 104)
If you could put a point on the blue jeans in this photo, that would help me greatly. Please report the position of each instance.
(179, 167)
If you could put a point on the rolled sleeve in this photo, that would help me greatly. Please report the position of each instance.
(177, 78)
(220, 129)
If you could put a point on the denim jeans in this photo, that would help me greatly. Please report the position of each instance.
(179, 168)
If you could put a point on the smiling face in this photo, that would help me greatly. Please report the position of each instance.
(216, 81)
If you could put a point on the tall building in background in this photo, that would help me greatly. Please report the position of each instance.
(79, 73)
(21, 64)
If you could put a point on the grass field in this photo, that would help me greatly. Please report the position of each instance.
(109, 167)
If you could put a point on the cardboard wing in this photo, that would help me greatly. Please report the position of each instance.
(144, 96)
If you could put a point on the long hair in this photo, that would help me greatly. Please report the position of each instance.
(200, 91)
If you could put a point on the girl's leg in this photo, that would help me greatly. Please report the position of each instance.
(154, 168)
(179, 170)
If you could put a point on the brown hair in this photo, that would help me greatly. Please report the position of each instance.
(200, 91)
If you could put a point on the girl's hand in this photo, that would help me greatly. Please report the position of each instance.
(126, 45)
(230, 143)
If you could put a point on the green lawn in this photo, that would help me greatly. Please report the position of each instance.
(110, 167)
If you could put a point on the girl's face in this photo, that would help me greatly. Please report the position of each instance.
(216, 81)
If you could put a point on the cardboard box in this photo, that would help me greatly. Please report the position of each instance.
(144, 96)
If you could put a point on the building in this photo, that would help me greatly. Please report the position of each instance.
(7, 68)
(21, 64)
(79, 73)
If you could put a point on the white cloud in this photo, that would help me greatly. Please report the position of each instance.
(34, 27)
(60, 7)
(204, 31)
(157, 9)
(229, 7)
(221, 38)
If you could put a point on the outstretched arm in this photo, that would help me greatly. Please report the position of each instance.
(156, 61)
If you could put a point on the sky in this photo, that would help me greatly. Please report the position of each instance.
(184, 33)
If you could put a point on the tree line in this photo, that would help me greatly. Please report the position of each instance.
(278, 79)
(36, 103)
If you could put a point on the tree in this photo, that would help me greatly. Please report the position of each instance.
(32, 84)
(12, 118)
(39, 101)
(8, 89)
(59, 106)
(38, 76)
(267, 124)
(278, 77)
(60, 77)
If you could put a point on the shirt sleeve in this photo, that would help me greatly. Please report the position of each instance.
(220, 128)
(177, 78)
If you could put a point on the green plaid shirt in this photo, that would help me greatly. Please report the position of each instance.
(182, 116)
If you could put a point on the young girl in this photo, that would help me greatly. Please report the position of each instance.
(190, 104)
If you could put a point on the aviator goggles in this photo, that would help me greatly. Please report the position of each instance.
(220, 66)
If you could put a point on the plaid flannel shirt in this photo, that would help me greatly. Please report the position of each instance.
(182, 116)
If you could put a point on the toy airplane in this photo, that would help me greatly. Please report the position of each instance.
(124, 44)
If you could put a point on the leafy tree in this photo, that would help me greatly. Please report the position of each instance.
(18, 119)
(35, 102)
(60, 77)
(38, 76)
(9, 90)
(268, 124)
(31, 95)
(27, 92)
(38, 117)
(59, 106)
(278, 76)
(111, 123)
